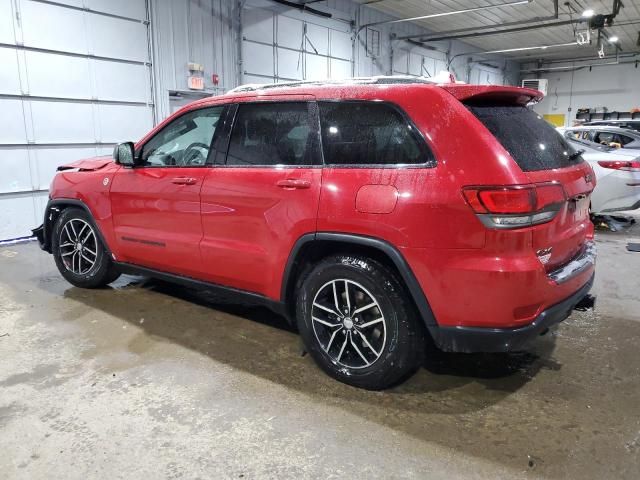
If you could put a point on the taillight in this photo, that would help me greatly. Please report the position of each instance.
(628, 166)
(515, 206)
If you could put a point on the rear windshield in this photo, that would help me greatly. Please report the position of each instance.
(532, 142)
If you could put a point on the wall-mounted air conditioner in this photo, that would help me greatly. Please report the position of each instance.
(541, 84)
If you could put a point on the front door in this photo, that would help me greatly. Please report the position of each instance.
(156, 206)
(256, 205)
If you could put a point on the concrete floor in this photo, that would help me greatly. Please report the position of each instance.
(150, 380)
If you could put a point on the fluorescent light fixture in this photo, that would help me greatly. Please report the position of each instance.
(541, 47)
(588, 13)
(613, 39)
(511, 3)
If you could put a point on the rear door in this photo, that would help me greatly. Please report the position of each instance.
(546, 158)
(264, 197)
(156, 206)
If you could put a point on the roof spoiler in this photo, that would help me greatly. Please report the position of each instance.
(493, 94)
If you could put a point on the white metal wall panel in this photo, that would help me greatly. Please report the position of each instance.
(17, 172)
(18, 214)
(316, 67)
(121, 81)
(289, 64)
(12, 126)
(304, 47)
(317, 39)
(62, 122)
(6, 22)
(53, 27)
(9, 73)
(43, 81)
(289, 32)
(80, 74)
(116, 38)
(123, 122)
(257, 24)
(340, 69)
(341, 44)
(258, 59)
(124, 8)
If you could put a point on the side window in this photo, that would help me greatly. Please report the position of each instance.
(624, 140)
(185, 142)
(273, 134)
(603, 138)
(369, 133)
(572, 135)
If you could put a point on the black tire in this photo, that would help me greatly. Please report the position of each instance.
(79, 271)
(394, 347)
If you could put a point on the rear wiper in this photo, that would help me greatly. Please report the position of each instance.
(576, 154)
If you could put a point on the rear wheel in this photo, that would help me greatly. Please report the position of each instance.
(358, 324)
(78, 251)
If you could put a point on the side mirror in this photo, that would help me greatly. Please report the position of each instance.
(124, 154)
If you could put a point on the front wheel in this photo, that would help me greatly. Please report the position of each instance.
(358, 323)
(78, 251)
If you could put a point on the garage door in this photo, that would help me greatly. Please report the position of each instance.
(486, 75)
(418, 62)
(278, 47)
(74, 80)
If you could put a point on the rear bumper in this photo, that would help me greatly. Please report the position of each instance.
(477, 339)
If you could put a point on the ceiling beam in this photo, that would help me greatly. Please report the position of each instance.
(428, 37)
(444, 14)
(496, 32)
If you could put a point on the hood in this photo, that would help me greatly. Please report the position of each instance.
(87, 164)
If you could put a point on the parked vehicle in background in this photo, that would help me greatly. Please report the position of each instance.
(628, 124)
(609, 136)
(371, 213)
(617, 173)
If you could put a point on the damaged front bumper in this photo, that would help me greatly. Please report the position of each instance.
(39, 234)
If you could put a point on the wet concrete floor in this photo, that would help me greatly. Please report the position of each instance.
(151, 380)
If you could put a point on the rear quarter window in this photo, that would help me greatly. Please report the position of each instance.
(532, 142)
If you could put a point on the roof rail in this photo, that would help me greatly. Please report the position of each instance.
(442, 77)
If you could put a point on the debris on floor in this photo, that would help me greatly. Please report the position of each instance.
(612, 223)
(633, 247)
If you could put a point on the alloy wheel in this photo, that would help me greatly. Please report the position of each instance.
(348, 323)
(78, 246)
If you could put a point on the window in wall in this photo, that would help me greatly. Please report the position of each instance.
(369, 133)
(272, 134)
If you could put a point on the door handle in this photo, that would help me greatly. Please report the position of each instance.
(292, 184)
(184, 181)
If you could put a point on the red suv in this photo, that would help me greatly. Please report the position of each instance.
(377, 215)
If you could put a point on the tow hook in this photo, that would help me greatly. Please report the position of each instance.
(587, 302)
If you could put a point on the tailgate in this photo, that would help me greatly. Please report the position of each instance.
(563, 238)
(546, 158)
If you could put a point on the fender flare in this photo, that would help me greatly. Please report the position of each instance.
(47, 225)
(406, 274)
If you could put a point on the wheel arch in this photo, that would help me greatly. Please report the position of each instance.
(314, 246)
(54, 208)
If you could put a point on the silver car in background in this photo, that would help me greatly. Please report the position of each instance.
(617, 173)
(603, 135)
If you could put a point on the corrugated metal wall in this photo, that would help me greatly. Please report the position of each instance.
(278, 43)
(75, 78)
(200, 31)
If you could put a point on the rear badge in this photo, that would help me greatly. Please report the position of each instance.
(105, 182)
(544, 255)
(588, 178)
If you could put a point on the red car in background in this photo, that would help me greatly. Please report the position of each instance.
(372, 214)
